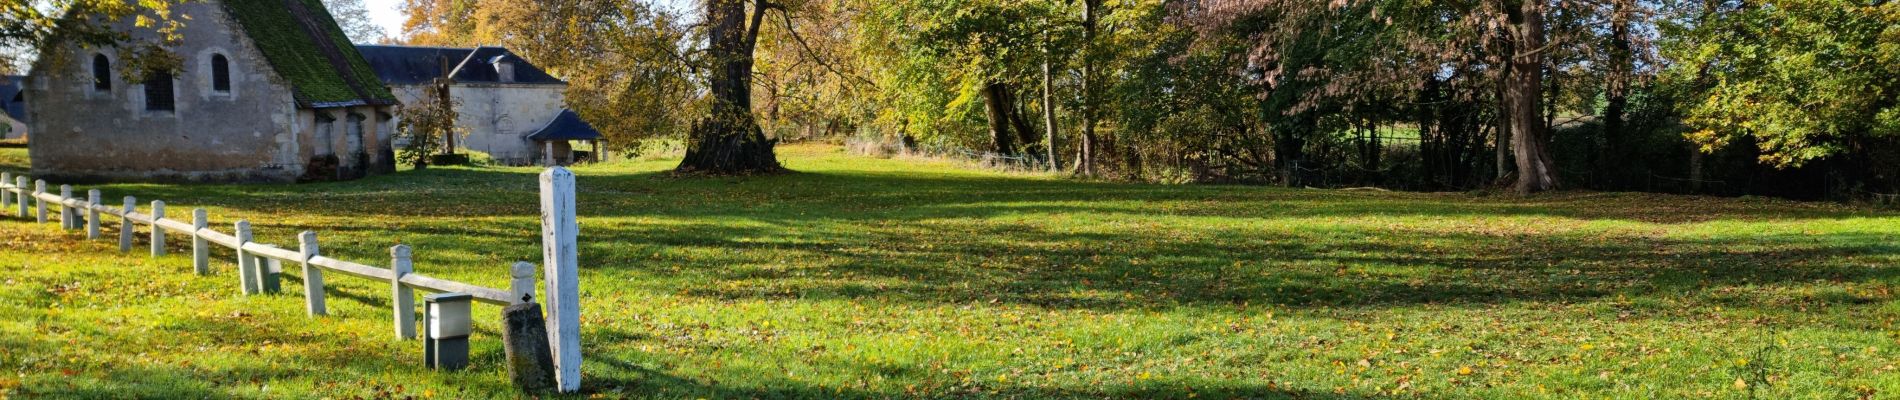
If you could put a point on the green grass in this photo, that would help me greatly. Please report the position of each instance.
(868, 278)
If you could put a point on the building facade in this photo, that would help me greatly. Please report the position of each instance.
(501, 101)
(267, 90)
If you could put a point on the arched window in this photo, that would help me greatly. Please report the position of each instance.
(101, 73)
(158, 91)
(220, 73)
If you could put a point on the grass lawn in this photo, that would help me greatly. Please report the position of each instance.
(870, 278)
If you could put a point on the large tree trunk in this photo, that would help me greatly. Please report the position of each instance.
(997, 107)
(1616, 92)
(1289, 147)
(1530, 141)
(1026, 135)
(729, 141)
(1085, 154)
(1695, 169)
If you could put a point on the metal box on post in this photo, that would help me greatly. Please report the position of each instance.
(446, 326)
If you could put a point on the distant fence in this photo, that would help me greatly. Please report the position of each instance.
(259, 265)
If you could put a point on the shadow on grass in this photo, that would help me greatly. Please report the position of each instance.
(935, 240)
(1027, 265)
(513, 191)
(1062, 244)
(626, 377)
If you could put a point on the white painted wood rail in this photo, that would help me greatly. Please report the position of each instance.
(560, 232)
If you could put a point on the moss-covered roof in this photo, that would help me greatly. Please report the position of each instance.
(305, 46)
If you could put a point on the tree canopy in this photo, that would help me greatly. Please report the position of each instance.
(1716, 96)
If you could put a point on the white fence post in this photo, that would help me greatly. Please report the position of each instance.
(68, 220)
(92, 213)
(247, 281)
(19, 182)
(200, 249)
(521, 286)
(125, 224)
(270, 273)
(559, 253)
(312, 276)
(403, 299)
(158, 233)
(39, 204)
(6, 178)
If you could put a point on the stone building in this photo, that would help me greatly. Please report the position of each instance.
(506, 106)
(13, 100)
(266, 90)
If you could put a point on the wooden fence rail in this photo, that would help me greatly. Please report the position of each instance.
(253, 257)
(259, 265)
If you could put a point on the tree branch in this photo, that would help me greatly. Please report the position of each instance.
(759, 7)
(813, 55)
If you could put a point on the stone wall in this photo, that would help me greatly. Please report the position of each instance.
(253, 132)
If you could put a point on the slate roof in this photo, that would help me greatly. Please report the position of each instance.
(13, 96)
(303, 43)
(567, 126)
(407, 65)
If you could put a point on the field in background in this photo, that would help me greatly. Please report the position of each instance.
(869, 278)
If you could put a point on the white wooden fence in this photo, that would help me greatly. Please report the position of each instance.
(258, 263)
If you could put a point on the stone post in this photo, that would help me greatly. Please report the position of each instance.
(312, 276)
(524, 339)
(270, 272)
(125, 224)
(39, 204)
(92, 213)
(521, 283)
(158, 233)
(200, 248)
(68, 218)
(19, 182)
(247, 273)
(403, 298)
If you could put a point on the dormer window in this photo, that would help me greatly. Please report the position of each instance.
(101, 73)
(220, 74)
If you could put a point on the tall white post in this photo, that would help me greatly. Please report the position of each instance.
(39, 204)
(19, 182)
(92, 213)
(312, 276)
(521, 286)
(68, 219)
(403, 299)
(200, 248)
(125, 224)
(559, 254)
(247, 273)
(158, 233)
